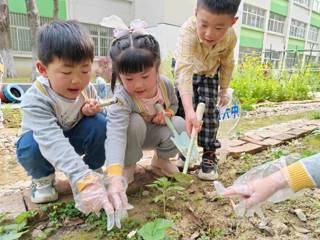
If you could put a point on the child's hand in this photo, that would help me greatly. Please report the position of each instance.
(91, 107)
(191, 121)
(223, 98)
(159, 118)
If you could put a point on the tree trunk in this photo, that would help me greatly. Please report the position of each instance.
(5, 41)
(34, 22)
(55, 9)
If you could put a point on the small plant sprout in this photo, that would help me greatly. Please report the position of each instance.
(167, 190)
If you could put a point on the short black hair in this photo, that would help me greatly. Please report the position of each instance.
(220, 6)
(66, 40)
(133, 53)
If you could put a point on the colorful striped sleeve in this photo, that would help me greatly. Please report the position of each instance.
(305, 173)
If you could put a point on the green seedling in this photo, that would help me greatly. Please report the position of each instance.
(156, 230)
(167, 189)
(14, 230)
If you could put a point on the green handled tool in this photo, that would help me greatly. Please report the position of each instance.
(182, 140)
(199, 113)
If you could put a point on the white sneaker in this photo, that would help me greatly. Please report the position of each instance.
(209, 168)
(163, 167)
(128, 173)
(209, 176)
(43, 190)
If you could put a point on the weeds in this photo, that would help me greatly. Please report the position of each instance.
(98, 224)
(17, 228)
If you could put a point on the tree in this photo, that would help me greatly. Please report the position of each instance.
(5, 40)
(55, 9)
(34, 22)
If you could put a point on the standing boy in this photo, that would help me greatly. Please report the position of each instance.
(204, 65)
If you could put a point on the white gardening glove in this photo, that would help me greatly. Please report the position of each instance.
(90, 195)
(116, 189)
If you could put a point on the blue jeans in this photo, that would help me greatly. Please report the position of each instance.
(87, 138)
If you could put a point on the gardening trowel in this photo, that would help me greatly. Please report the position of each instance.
(199, 113)
(181, 140)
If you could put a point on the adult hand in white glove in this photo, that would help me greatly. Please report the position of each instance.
(116, 189)
(257, 191)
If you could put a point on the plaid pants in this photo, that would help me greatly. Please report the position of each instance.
(205, 89)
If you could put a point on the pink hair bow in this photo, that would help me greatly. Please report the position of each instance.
(120, 29)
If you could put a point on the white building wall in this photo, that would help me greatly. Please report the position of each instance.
(176, 12)
(149, 10)
(167, 37)
(261, 4)
(94, 10)
(300, 13)
(164, 19)
(275, 42)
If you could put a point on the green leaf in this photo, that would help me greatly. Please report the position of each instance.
(157, 198)
(12, 236)
(183, 179)
(3, 217)
(24, 216)
(178, 188)
(11, 227)
(155, 230)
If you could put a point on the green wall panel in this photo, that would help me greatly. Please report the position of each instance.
(45, 7)
(294, 44)
(280, 7)
(251, 38)
(315, 19)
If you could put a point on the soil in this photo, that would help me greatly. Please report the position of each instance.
(200, 213)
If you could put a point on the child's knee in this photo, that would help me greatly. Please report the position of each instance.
(137, 127)
(27, 148)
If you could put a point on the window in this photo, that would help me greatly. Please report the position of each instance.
(21, 35)
(316, 6)
(313, 34)
(305, 3)
(293, 59)
(248, 51)
(273, 57)
(310, 59)
(298, 29)
(253, 16)
(102, 38)
(276, 23)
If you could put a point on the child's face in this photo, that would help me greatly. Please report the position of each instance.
(142, 84)
(67, 80)
(212, 27)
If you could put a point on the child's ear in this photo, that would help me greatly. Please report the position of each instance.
(41, 68)
(234, 20)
